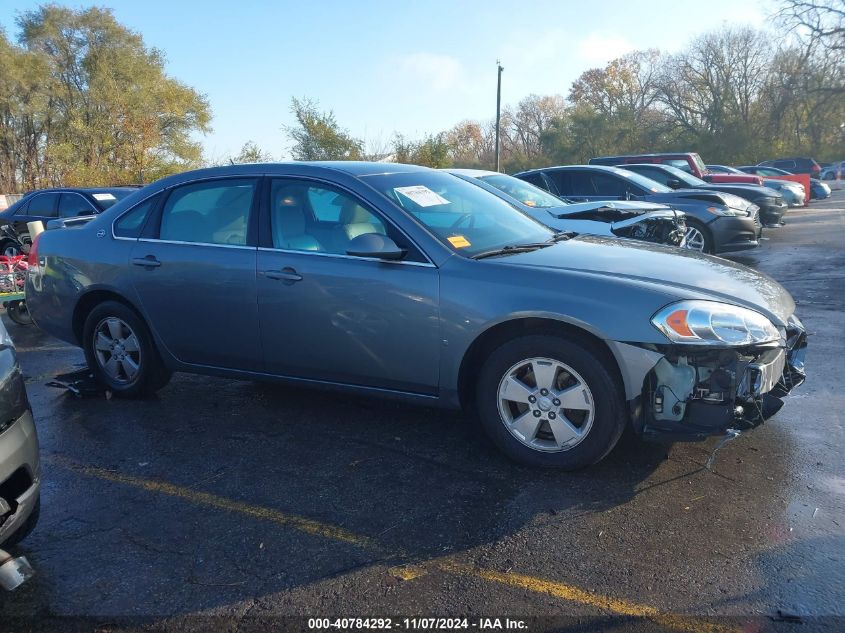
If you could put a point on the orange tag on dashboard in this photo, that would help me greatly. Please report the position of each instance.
(458, 241)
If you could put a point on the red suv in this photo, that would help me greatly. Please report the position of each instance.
(688, 161)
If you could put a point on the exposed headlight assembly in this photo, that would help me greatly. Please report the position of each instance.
(713, 323)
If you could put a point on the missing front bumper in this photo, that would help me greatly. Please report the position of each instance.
(698, 393)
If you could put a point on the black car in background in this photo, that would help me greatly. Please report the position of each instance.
(49, 204)
(716, 222)
(795, 165)
(771, 203)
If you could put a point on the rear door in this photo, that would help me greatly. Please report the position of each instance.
(194, 272)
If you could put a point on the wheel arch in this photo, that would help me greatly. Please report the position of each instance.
(497, 334)
(91, 299)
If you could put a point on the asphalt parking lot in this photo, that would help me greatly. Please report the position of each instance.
(244, 502)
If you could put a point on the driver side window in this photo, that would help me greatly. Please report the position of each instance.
(312, 217)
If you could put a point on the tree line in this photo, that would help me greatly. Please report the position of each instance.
(735, 95)
(84, 102)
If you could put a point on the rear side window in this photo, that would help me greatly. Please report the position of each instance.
(72, 205)
(44, 205)
(535, 179)
(215, 212)
(131, 224)
(606, 185)
(566, 182)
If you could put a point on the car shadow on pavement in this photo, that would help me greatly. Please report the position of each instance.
(414, 483)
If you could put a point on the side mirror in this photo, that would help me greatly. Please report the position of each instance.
(375, 245)
(674, 183)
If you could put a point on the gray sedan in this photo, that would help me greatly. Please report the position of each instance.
(401, 281)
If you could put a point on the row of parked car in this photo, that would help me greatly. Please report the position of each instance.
(510, 296)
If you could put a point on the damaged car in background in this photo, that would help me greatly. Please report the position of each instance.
(338, 274)
(645, 221)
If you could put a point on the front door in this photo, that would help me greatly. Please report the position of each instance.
(329, 316)
(195, 274)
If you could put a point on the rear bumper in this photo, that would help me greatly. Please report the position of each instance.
(20, 475)
(735, 233)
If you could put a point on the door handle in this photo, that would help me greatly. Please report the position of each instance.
(149, 261)
(286, 274)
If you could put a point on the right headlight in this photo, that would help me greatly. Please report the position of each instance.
(713, 323)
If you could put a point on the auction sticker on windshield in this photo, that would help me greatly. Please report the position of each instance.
(422, 195)
(103, 196)
(458, 241)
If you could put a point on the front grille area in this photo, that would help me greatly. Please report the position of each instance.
(757, 218)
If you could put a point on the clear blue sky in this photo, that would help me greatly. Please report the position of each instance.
(415, 66)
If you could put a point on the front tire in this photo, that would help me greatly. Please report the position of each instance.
(698, 237)
(121, 352)
(550, 402)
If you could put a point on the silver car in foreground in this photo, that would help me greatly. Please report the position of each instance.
(396, 280)
(20, 470)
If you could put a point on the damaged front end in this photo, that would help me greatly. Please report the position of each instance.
(642, 221)
(660, 227)
(697, 391)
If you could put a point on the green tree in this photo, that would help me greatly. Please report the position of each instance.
(85, 102)
(317, 135)
(432, 151)
(251, 153)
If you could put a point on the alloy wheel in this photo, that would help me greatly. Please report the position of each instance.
(546, 405)
(117, 350)
(694, 239)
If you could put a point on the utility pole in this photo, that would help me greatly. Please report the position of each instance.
(498, 110)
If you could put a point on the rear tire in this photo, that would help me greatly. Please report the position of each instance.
(18, 312)
(121, 352)
(9, 249)
(546, 401)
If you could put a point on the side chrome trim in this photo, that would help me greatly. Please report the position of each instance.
(264, 249)
(182, 243)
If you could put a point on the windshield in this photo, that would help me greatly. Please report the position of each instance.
(699, 164)
(105, 199)
(466, 218)
(525, 192)
(688, 179)
(646, 183)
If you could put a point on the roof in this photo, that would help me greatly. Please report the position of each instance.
(84, 190)
(610, 168)
(473, 173)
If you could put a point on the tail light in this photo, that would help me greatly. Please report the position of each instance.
(32, 258)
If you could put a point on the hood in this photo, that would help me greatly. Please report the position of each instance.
(685, 274)
(679, 196)
(745, 191)
(607, 210)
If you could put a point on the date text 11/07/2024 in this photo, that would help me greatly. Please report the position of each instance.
(418, 624)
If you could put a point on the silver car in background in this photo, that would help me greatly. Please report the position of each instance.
(644, 221)
(20, 470)
(401, 281)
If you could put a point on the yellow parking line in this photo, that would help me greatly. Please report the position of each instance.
(574, 594)
(566, 592)
(302, 524)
